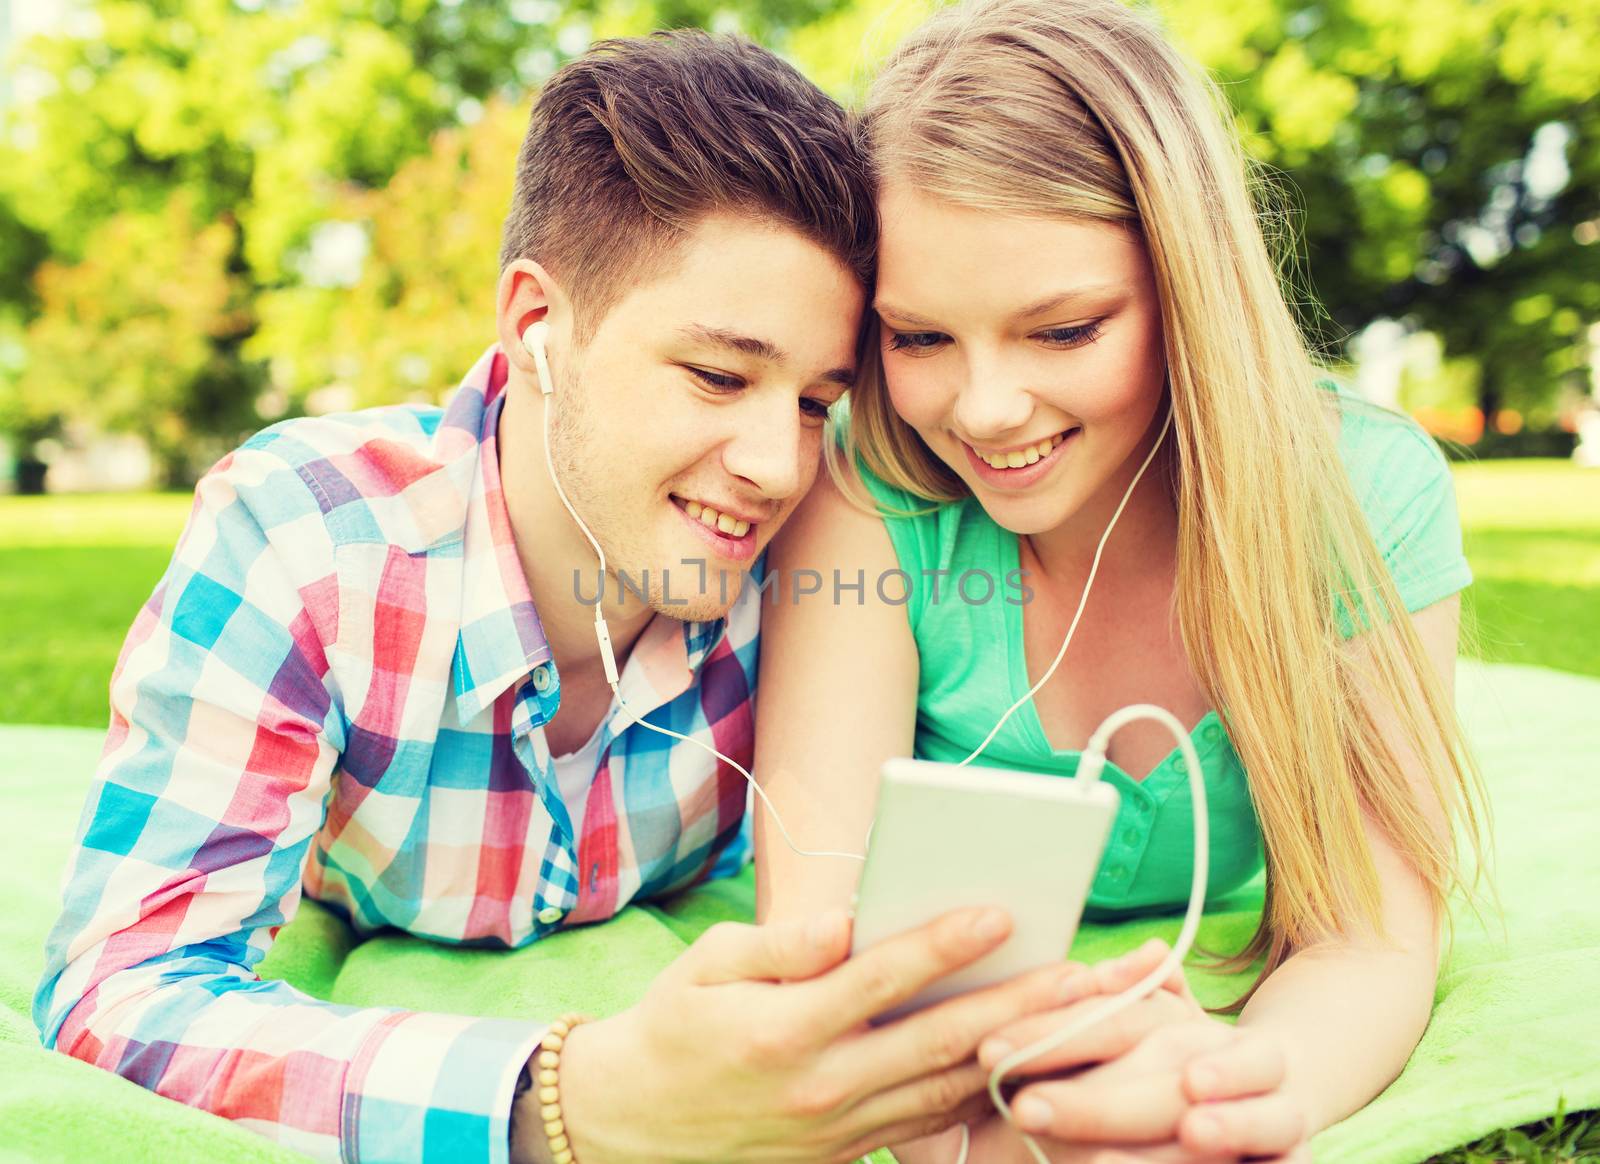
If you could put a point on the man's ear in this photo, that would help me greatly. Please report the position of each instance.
(527, 293)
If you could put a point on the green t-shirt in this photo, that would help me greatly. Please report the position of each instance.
(969, 636)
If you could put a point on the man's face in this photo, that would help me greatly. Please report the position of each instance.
(690, 425)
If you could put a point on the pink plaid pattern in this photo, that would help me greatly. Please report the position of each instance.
(339, 688)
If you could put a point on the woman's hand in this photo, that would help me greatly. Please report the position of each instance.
(1085, 986)
(754, 1046)
(1197, 1088)
(1161, 1082)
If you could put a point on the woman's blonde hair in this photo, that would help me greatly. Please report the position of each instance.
(1084, 110)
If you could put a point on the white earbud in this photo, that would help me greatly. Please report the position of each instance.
(534, 339)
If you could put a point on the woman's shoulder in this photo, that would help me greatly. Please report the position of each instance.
(1403, 484)
(1390, 459)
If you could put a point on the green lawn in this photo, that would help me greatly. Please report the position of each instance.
(1533, 538)
(74, 571)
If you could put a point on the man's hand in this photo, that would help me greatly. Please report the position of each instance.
(755, 1046)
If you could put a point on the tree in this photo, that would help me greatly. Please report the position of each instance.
(143, 335)
(1445, 157)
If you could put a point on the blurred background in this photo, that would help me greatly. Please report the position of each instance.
(215, 214)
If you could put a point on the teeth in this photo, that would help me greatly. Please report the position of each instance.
(707, 516)
(1028, 456)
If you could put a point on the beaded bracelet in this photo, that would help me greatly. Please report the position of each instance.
(548, 1082)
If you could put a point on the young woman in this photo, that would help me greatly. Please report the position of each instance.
(1073, 280)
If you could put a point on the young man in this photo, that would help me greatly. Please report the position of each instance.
(370, 674)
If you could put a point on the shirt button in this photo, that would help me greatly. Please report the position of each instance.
(1130, 836)
(594, 878)
(1180, 765)
(1117, 872)
(541, 679)
(550, 914)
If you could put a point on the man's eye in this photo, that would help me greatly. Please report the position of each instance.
(815, 409)
(717, 380)
(916, 341)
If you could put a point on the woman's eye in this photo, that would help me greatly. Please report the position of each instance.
(814, 409)
(1071, 337)
(916, 341)
(716, 380)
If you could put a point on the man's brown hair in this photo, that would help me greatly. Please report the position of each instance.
(630, 145)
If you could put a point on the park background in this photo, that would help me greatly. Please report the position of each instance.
(215, 214)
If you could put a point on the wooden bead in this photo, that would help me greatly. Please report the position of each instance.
(557, 1143)
(553, 1042)
(563, 1157)
(549, 1059)
(550, 1111)
(561, 1028)
(549, 1095)
(553, 1128)
(549, 1077)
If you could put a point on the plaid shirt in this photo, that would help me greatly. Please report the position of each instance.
(340, 684)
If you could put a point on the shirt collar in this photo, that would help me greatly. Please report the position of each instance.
(501, 638)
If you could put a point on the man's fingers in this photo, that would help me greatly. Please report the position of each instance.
(1103, 1039)
(1249, 1065)
(782, 951)
(1143, 1109)
(1118, 974)
(924, 1106)
(1267, 1125)
(897, 969)
(948, 1034)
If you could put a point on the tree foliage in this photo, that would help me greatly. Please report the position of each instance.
(217, 208)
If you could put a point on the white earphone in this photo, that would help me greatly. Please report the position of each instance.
(535, 339)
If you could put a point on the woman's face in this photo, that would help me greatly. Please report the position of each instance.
(1026, 352)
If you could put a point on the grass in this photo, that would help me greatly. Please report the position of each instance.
(74, 571)
(1532, 533)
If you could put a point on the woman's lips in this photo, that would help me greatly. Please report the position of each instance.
(1020, 478)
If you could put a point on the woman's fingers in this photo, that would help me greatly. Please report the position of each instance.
(1141, 1110)
(1266, 1125)
(1248, 1065)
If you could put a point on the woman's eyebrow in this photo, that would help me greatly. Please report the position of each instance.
(1051, 302)
(1073, 295)
(903, 316)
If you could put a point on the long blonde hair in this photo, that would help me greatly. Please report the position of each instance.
(1084, 110)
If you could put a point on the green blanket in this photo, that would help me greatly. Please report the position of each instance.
(1515, 1031)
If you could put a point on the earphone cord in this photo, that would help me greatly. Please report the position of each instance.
(1091, 766)
(609, 661)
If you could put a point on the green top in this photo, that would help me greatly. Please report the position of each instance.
(969, 636)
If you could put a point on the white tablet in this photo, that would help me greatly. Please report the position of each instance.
(946, 837)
